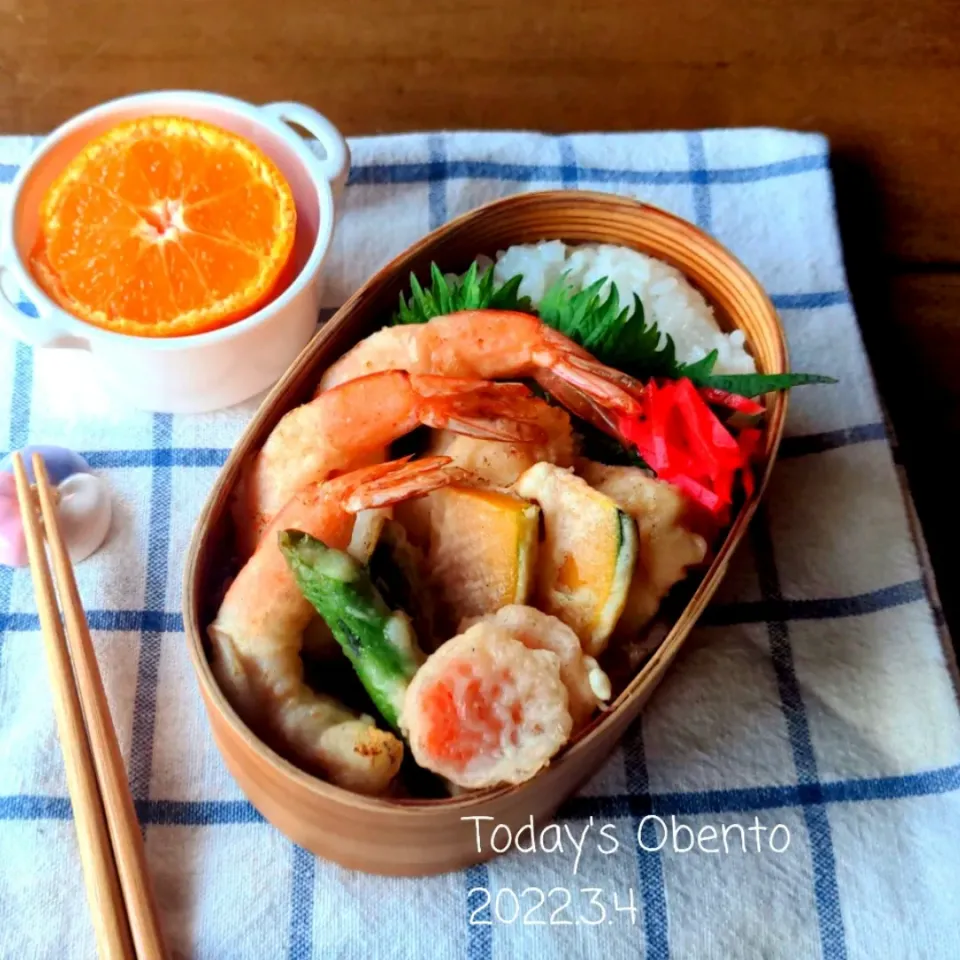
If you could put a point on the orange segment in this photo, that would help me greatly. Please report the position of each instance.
(125, 180)
(222, 265)
(244, 214)
(187, 285)
(163, 227)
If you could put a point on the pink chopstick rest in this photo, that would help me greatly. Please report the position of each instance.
(83, 506)
(13, 547)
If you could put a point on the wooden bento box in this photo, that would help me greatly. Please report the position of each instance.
(420, 837)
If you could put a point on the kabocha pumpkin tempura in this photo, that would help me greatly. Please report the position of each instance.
(541, 530)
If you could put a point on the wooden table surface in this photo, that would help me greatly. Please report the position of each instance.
(882, 80)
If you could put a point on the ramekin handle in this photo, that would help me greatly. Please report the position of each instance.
(38, 331)
(335, 164)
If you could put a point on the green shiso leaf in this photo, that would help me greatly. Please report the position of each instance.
(472, 291)
(703, 368)
(616, 335)
(506, 297)
(622, 338)
(602, 448)
(440, 290)
(756, 384)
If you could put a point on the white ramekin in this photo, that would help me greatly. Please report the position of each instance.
(209, 370)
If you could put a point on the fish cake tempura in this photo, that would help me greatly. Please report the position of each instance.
(485, 710)
(587, 685)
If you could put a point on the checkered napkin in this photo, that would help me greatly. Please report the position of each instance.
(814, 708)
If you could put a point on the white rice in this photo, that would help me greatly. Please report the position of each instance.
(668, 298)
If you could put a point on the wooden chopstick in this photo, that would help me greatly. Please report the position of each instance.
(93, 838)
(131, 909)
(126, 838)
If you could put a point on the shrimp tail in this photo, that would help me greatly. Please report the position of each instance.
(404, 479)
(600, 383)
(481, 408)
(579, 403)
(583, 374)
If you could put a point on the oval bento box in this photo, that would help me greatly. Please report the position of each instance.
(419, 837)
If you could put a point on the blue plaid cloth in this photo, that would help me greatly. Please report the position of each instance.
(815, 704)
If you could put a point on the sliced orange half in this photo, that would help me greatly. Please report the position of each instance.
(165, 226)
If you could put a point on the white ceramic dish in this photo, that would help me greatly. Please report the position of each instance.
(208, 370)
